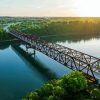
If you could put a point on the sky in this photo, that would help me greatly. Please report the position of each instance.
(58, 8)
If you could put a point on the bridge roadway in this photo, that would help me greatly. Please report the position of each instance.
(72, 59)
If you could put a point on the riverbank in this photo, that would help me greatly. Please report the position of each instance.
(9, 40)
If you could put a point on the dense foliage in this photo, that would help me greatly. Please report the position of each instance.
(79, 28)
(3, 34)
(62, 26)
(72, 86)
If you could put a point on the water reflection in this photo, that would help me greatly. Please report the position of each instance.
(33, 60)
(91, 47)
(70, 38)
(20, 73)
(4, 45)
(89, 43)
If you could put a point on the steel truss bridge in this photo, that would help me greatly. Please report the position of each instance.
(70, 58)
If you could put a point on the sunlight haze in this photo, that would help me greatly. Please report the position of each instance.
(49, 8)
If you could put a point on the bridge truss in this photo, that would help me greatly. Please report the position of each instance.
(70, 58)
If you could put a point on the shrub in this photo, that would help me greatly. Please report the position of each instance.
(60, 89)
(95, 94)
(74, 82)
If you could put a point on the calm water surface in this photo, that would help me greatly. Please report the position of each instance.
(91, 47)
(19, 75)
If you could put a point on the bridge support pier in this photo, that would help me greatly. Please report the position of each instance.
(34, 52)
(27, 51)
(26, 48)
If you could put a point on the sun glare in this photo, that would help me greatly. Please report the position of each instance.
(88, 7)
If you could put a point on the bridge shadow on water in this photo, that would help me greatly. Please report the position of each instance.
(4, 46)
(26, 57)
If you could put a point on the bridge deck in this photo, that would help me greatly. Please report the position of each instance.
(73, 59)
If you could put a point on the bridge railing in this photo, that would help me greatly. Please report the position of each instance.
(58, 53)
(96, 66)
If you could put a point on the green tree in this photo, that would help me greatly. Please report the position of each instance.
(60, 89)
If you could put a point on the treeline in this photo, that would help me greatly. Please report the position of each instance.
(70, 27)
(72, 86)
(60, 27)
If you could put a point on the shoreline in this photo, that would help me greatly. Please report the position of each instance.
(2, 41)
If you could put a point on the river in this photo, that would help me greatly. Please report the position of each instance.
(20, 75)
